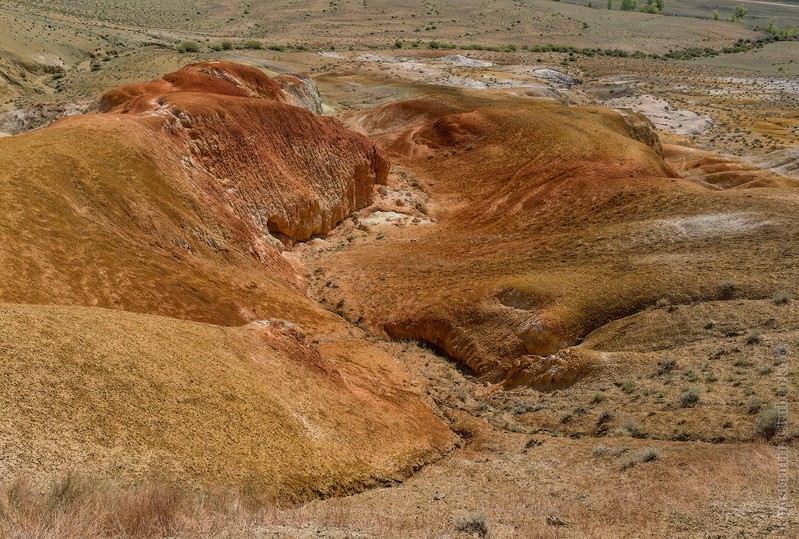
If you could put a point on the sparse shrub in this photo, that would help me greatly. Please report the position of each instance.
(755, 406)
(647, 454)
(689, 398)
(753, 339)
(726, 290)
(628, 387)
(768, 423)
(603, 418)
(520, 408)
(601, 451)
(665, 366)
(633, 428)
(226, 45)
(398, 44)
(474, 525)
(252, 44)
(566, 418)
(188, 46)
(781, 298)
(532, 442)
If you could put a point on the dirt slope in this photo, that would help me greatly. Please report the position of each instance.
(131, 397)
(550, 223)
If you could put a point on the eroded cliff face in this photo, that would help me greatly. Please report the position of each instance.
(176, 181)
(285, 170)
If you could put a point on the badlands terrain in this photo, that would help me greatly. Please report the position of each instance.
(352, 269)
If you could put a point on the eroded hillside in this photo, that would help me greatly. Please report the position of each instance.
(598, 316)
(551, 222)
(175, 200)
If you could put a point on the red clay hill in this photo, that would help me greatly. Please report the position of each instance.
(550, 222)
(175, 182)
(151, 329)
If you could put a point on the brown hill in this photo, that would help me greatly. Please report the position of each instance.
(165, 204)
(551, 222)
(146, 207)
(131, 397)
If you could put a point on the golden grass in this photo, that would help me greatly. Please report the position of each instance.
(130, 397)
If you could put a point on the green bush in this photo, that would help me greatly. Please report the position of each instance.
(768, 423)
(252, 44)
(689, 398)
(188, 46)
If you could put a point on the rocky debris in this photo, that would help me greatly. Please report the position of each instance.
(464, 61)
(560, 370)
(21, 120)
(301, 91)
(460, 71)
(555, 76)
(664, 115)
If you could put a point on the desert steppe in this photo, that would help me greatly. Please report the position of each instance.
(353, 269)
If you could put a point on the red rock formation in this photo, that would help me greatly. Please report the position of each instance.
(287, 171)
(165, 203)
(204, 169)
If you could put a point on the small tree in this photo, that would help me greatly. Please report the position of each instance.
(650, 7)
(715, 14)
(740, 12)
(629, 5)
(610, 4)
